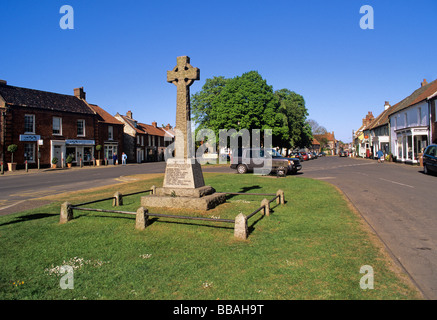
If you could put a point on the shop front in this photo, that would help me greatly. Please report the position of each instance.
(80, 150)
(111, 148)
(410, 143)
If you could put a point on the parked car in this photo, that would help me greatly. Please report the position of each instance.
(250, 159)
(343, 154)
(430, 159)
(296, 155)
(314, 155)
(322, 154)
(304, 156)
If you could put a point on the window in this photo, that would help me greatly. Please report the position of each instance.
(29, 123)
(29, 152)
(138, 140)
(142, 140)
(419, 116)
(57, 126)
(110, 133)
(81, 128)
(406, 119)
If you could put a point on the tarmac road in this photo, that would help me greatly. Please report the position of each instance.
(399, 203)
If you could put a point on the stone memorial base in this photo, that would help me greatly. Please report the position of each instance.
(184, 188)
(203, 198)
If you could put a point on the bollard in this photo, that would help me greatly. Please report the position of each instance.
(118, 199)
(2, 169)
(142, 219)
(240, 229)
(81, 164)
(25, 163)
(66, 213)
(281, 199)
(266, 204)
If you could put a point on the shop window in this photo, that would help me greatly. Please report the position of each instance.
(29, 152)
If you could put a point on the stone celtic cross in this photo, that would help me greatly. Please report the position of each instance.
(183, 76)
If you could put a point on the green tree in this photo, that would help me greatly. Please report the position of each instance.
(292, 106)
(243, 102)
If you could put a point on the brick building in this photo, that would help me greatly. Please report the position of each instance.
(144, 142)
(46, 125)
(109, 134)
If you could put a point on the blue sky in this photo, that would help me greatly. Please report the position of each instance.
(119, 51)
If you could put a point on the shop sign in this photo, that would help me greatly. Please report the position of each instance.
(29, 137)
(79, 142)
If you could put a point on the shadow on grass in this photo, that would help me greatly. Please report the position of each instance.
(251, 228)
(242, 190)
(29, 217)
(160, 219)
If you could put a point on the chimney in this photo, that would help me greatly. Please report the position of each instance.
(129, 114)
(79, 93)
(154, 124)
(387, 105)
(168, 126)
(424, 83)
(3, 82)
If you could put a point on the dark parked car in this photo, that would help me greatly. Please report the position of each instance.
(343, 154)
(251, 159)
(430, 159)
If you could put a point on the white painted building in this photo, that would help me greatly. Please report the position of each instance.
(410, 124)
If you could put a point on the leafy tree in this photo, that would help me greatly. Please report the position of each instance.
(292, 106)
(243, 102)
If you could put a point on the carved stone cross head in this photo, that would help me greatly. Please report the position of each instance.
(183, 73)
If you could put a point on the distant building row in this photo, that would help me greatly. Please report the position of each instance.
(402, 130)
(46, 125)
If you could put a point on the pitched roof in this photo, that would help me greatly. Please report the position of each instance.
(417, 96)
(328, 136)
(30, 98)
(104, 116)
(154, 131)
(144, 128)
(315, 142)
(382, 119)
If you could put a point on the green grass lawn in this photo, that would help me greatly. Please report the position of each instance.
(310, 248)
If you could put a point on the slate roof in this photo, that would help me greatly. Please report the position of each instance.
(30, 98)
